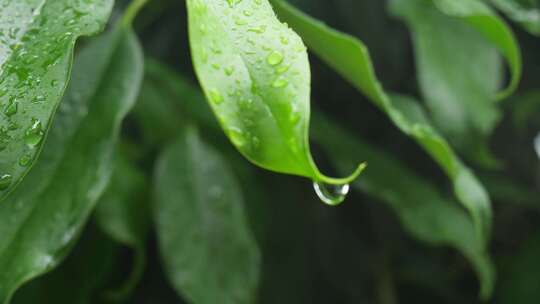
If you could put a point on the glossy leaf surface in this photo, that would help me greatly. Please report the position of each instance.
(350, 58)
(423, 211)
(255, 73)
(36, 48)
(209, 253)
(41, 219)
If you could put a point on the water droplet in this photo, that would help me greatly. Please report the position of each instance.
(25, 160)
(332, 195)
(5, 181)
(294, 117)
(280, 82)
(215, 96)
(11, 108)
(229, 70)
(237, 137)
(34, 134)
(282, 69)
(274, 58)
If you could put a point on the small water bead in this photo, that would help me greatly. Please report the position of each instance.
(237, 137)
(274, 58)
(34, 134)
(332, 195)
(215, 96)
(282, 69)
(25, 160)
(11, 108)
(5, 181)
(229, 70)
(280, 82)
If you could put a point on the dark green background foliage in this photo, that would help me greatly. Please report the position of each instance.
(136, 173)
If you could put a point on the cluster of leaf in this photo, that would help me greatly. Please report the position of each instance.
(117, 171)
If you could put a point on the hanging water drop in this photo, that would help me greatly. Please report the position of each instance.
(331, 195)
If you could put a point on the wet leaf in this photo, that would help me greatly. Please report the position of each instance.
(41, 219)
(350, 58)
(255, 73)
(209, 253)
(36, 50)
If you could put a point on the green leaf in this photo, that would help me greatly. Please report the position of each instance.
(423, 211)
(41, 219)
(123, 213)
(36, 49)
(526, 13)
(255, 73)
(493, 28)
(460, 95)
(209, 253)
(350, 58)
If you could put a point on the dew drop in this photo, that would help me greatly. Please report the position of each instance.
(34, 134)
(274, 58)
(237, 137)
(215, 97)
(5, 181)
(11, 109)
(25, 160)
(229, 70)
(280, 82)
(332, 195)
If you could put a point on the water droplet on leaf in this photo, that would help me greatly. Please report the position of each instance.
(274, 58)
(5, 181)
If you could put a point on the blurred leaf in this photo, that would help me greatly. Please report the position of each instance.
(36, 50)
(423, 211)
(123, 213)
(255, 73)
(460, 95)
(525, 12)
(349, 57)
(493, 28)
(42, 218)
(209, 252)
